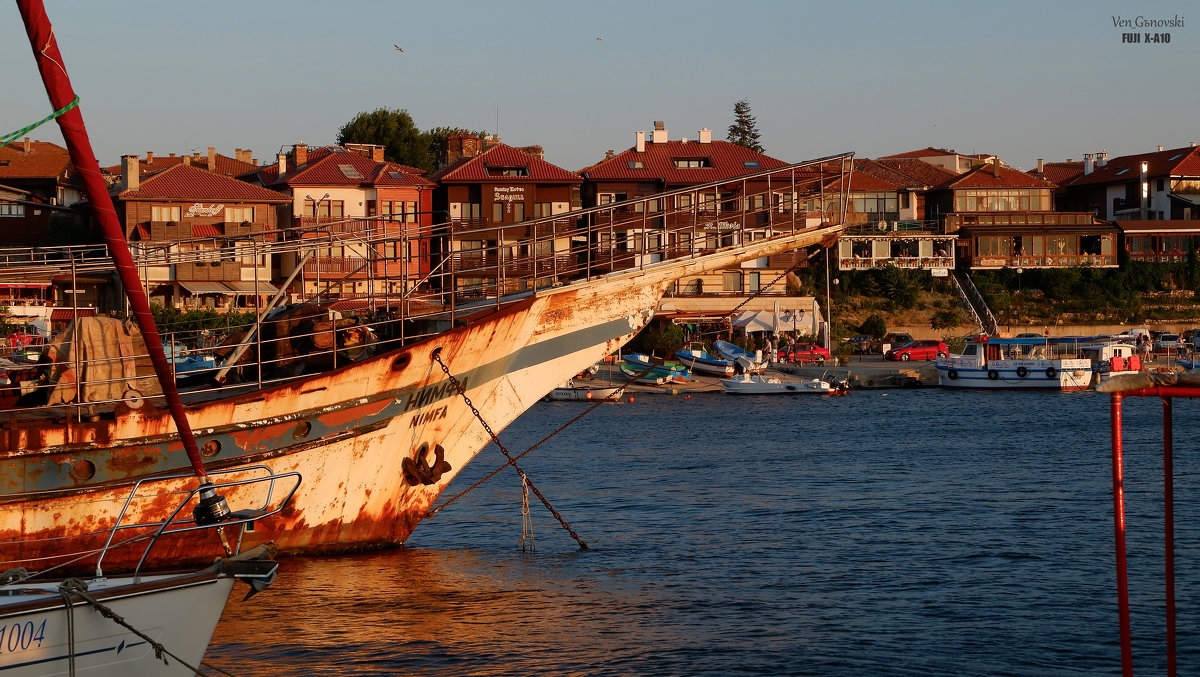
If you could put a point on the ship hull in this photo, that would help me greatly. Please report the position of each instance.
(376, 442)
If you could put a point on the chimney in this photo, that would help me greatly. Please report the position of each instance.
(682, 140)
(28, 146)
(149, 157)
(705, 135)
(243, 155)
(187, 160)
(1160, 149)
(639, 141)
(1089, 163)
(377, 153)
(609, 154)
(1101, 159)
(660, 133)
(212, 158)
(996, 167)
(300, 150)
(282, 160)
(1040, 166)
(130, 172)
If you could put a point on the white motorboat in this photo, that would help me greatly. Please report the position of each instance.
(1015, 364)
(755, 384)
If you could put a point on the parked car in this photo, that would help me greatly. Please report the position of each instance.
(860, 342)
(891, 340)
(1030, 334)
(1168, 344)
(1190, 339)
(918, 350)
(807, 352)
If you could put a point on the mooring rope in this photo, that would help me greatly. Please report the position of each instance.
(74, 586)
(437, 356)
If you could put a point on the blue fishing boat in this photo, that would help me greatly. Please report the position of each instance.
(699, 360)
(751, 363)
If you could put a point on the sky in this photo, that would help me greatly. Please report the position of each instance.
(1021, 80)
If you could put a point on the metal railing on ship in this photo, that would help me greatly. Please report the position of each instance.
(405, 281)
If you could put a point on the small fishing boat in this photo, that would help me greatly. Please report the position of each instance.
(645, 377)
(1110, 358)
(754, 384)
(573, 392)
(657, 367)
(701, 361)
(1016, 364)
(751, 363)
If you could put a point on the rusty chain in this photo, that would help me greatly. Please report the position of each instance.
(437, 356)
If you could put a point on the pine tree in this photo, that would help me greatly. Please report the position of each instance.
(744, 130)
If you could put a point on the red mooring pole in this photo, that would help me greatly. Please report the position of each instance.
(1118, 479)
(1169, 526)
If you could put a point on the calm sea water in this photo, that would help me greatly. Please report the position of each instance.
(916, 532)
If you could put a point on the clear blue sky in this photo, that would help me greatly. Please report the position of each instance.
(1023, 80)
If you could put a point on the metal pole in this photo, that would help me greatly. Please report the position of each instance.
(1169, 527)
(1118, 491)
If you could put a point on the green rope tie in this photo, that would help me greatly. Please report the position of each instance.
(13, 136)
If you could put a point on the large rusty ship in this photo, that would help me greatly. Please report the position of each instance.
(406, 393)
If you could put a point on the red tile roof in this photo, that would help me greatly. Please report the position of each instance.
(926, 174)
(1058, 173)
(726, 160)
(924, 152)
(503, 156)
(224, 164)
(44, 160)
(1174, 162)
(896, 179)
(335, 166)
(983, 176)
(205, 230)
(182, 182)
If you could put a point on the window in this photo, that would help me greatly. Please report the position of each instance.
(684, 201)
(469, 210)
(1160, 185)
(508, 171)
(541, 209)
(327, 208)
(751, 164)
(497, 212)
(239, 214)
(385, 209)
(165, 213)
(518, 210)
(732, 280)
(692, 163)
(636, 164)
(606, 198)
(10, 209)
(410, 212)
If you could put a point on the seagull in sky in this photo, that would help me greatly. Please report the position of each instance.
(397, 47)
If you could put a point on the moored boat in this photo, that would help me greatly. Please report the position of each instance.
(748, 362)
(656, 366)
(1110, 358)
(755, 384)
(379, 431)
(573, 392)
(699, 360)
(1015, 364)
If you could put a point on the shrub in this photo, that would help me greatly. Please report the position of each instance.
(874, 326)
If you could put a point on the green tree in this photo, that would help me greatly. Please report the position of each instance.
(744, 130)
(874, 326)
(394, 130)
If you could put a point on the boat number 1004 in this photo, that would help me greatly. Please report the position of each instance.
(21, 636)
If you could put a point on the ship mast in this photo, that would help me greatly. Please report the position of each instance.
(58, 87)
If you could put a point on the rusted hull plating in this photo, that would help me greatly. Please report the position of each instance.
(376, 442)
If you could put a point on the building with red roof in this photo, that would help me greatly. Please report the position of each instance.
(1163, 184)
(660, 164)
(1005, 218)
(374, 216)
(198, 216)
(948, 159)
(241, 163)
(487, 191)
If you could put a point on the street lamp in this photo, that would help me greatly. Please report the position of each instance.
(1019, 271)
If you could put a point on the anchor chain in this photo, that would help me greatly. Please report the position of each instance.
(437, 356)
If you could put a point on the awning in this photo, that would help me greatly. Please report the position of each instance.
(26, 285)
(242, 287)
(68, 314)
(196, 287)
(205, 230)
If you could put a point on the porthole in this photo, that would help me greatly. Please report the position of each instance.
(401, 362)
(83, 470)
(211, 448)
(303, 428)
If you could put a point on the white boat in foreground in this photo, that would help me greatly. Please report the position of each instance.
(1014, 364)
(572, 392)
(754, 384)
(140, 623)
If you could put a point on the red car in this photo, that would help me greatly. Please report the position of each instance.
(806, 352)
(917, 350)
